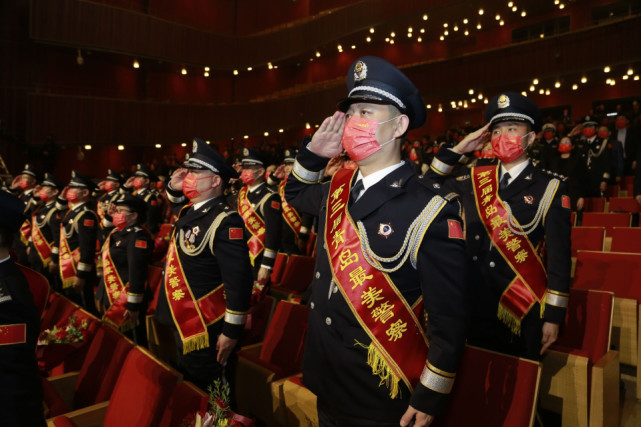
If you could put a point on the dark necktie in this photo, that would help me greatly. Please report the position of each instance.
(356, 191)
(504, 181)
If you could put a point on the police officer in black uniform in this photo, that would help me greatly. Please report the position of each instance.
(44, 220)
(209, 241)
(389, 205)
(539, 209)
(21, 390)
(130, 249)
(598, 157)
(140, 182)
(111, 186)
(265, 202)
(24, 184)
(80, 230)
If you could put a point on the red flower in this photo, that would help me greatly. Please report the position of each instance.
(61, 334)
(221, 403)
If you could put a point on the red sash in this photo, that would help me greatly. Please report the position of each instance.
(25, 232)
(529, 285)
(254, 224)
(43, 248)
(292, 218)
(399, 348)
(68, 260)
(13, 334)
(116, 290)
(191, 316)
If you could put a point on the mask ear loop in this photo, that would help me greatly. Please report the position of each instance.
(380, 123)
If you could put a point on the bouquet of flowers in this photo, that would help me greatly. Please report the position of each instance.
(73, 331)
(219, 414)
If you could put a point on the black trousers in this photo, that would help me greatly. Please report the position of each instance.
(328, 418)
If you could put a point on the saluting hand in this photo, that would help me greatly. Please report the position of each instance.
(327, 141)
(177, 178)
(101, 185)
(421, 419)
(473, 141)
(63, 195)
(280, 172)
(576, 130)
(225, 346)
(15, 182)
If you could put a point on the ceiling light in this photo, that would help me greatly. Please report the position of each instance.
(307, 126)
(353, 46)
(547, 91)
(184, 144)
(444, 24)
(442, 38)
(440, 108)
(606, 69)
(471, 91)
(371, 30)
(386, 39)
(208, 142)
(419, 39)
(478, 26)
(502, 23)
(630, 71)
(422, 30)
(424, 17)
(575, 86)
(524, 93)
(561, 6)
(446, 32)
(465, 21)
(535, 81)
(636, 77)
(246, 137)
(183, 71)
(281, 130)
(532, 88)
(557, 84)
(510, 4)
(410, 29)
(485, 101)
(391, 41)
(541, 91)
(625, 77)
(523, 13)
(584, 79)
(206, 74)
(235, 72)
(467, 33)
(409, 35)
(369, 39)
(480, 96)
(206, 68)
(317, 54)
(121, 147)
(269, 65)
(428, 106)
(497, 17)
(541, 35)
(392, 34)
(481, 11)
(158, 146)
(266, 133)
(136, 63)
(455, 27)
(88, 147)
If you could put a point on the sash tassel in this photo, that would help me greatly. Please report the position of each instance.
(380, 367)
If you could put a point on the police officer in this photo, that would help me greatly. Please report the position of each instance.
(125, 255)
(260, 207)
(77, 244)
(598, 157)
(43, 221)
(140, 182)
(21, 391)
(111, 187)
(386, 241)
(547, 146)
(513, 211)
(295, 226)
(25, 184)
(207, 273)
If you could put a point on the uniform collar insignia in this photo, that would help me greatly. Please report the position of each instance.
(528, 177)
(529, 199)
(437, 185)
(118, 243)
(385, 229)
(195, 230)
(397, 184)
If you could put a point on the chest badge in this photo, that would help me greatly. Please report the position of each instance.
(385, 229)
(195, 230)
(529, 199)
(118, 243)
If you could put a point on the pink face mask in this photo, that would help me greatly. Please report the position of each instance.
(359, 137)
(109, 186)
(138, 183)
(588, 132)
(119, 220)
(72, 195)
(247, 177)
(507, 147)
(189, 186)
(44, 195)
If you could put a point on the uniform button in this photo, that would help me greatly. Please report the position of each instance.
(475, 258)
(324, 246)
(328, 321)
(492, 264)
(335, 289)
(318, 274)
(477, 237)
(311, 305)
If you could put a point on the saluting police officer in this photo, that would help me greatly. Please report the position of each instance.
(21, 390)
(385, 243)
(111, 186)
(24, 184)
(77, 244)
(515, 213)
(43, 221)
(207, 285)
(125, 256)
(260, 207)
(140, 182)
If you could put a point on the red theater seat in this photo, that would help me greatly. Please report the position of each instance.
(587, 238)
(492, 389)
(580, 378)
(626, 239)
(257, 321)
(297, 276)
(624, 204)
(279, 267)
(607, 220)
(185, 400)
(59, 308)
(278, 356)
(154, 281)
(97, 376)
(39, 287)
(594, 204)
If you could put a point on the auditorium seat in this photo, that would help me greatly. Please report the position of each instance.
(612, 191)
(164, 232)
(97, 376)
(279, 267)
(295, 405)
(139, 398)
(587, 238)
(619, 273)
(297, 276)
(154, 281)
(39, 287)
(257, 321)
(58, 308)
(607, 220)
(624, 204)
(594, 204)
(573, 218)
(492, 389)
(278, 356)
(580, 377)
(626, 239)
(186, 399)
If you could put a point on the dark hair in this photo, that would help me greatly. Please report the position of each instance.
(6, 238)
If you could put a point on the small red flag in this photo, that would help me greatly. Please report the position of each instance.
(455, 229)
(275, 205)
(88, 223)
(565, 202)
(141, 244)
(235, 233)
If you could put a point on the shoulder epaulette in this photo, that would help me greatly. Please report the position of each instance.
(463, 177)
(451, 196)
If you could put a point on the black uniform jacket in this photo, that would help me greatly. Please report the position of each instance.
(266, 203)
(335, 367)
(21, 390)
(80, 225)
(45, 220)
(489, 273)
(153, 208)
(226, 261)
(130, 250)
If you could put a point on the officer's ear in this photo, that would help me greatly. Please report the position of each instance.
(402, 124)
(135, 216)
(216, 181)
(84, 193)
